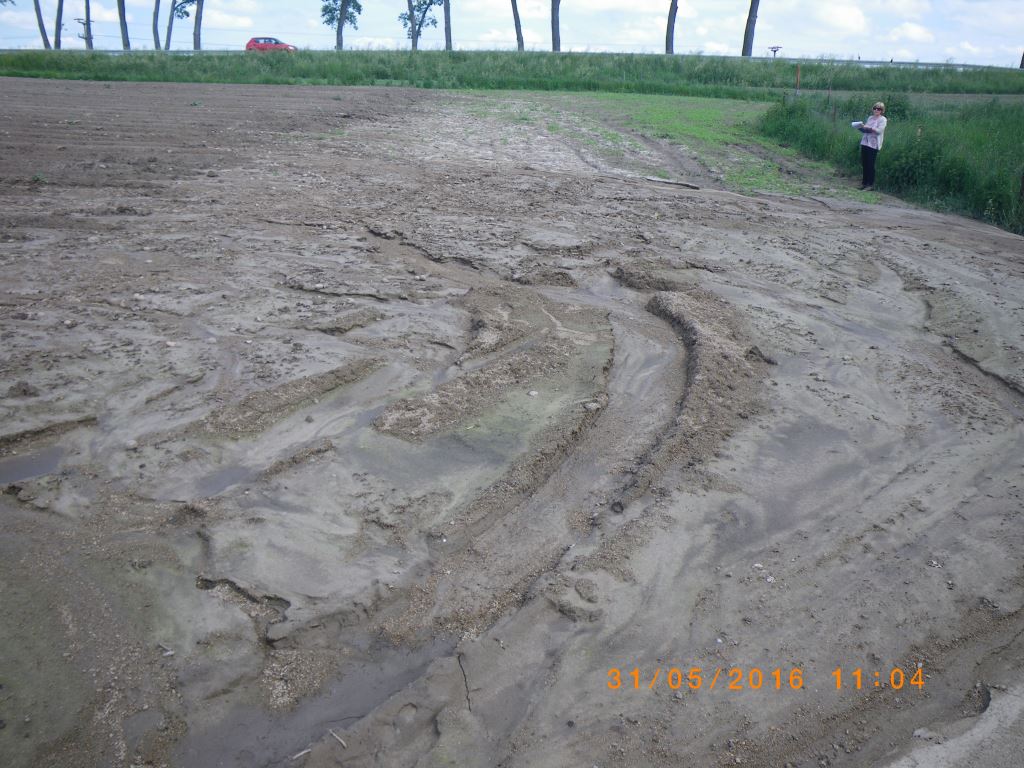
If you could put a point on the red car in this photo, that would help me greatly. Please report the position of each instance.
(268, 44)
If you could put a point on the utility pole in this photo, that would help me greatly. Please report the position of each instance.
(86, 33)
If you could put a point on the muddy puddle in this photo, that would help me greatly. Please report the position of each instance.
(253, 737)
(43, 462)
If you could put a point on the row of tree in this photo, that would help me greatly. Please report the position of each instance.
(419, 14)
(179, 9)
(338, 14)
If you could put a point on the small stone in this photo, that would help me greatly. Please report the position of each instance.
(533, 393)
(587, 589)
(22, 389)
(593, 407)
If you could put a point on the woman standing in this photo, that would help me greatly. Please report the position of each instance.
(871, 143)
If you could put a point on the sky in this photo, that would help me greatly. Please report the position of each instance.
(989, 32)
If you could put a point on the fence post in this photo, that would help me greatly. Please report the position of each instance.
(798, 79)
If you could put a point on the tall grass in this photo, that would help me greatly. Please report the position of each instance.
(508, 70)
(963, 158)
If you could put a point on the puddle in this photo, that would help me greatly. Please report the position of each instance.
(253, 737)
(35, 465)
(219, 481)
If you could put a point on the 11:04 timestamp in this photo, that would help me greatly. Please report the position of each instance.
(896, 678)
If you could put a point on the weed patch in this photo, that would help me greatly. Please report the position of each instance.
(968, 158)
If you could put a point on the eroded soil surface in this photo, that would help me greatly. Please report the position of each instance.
(373, 428)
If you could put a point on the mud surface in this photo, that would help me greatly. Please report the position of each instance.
(373, 428)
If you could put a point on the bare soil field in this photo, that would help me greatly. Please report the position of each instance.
(367, 427)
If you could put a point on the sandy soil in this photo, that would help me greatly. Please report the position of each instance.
(374, 428)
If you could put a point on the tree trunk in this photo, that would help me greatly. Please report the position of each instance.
(170, 26)
(447, 25)
(414, 33)
(42, 26)
(339, 37)
(58, 24)
(156, 21)
(88, 26)
(419, 22)
(519, 28)
(556, 37)
(748, 33)
(197, 30)
(670, 33)
(1022, 61)
(126, 44)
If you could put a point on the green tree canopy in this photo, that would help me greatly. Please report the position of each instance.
(331, 11)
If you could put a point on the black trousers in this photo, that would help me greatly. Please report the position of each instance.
(868, 155)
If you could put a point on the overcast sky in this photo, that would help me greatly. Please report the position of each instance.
(963, 31)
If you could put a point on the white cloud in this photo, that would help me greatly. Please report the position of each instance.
(215, 19)
(717, 49)
(240, 7)
(912, 32)
(907, 9)
(531, 10)
(507, 37)
(645, 30)
(686, 11)
(373, 43)
(845, 19)
(634, 7)
(17, 19)
(100, 13)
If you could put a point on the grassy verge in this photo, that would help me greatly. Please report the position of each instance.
(508, 70)
(966, 158)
